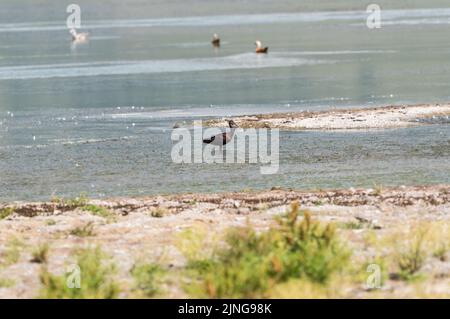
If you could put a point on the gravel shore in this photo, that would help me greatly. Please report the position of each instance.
(146, 228)
(386, 117)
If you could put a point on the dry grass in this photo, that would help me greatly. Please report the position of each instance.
(86, 230)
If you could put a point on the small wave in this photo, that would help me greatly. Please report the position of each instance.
(65, 142)
(89, 141)
(191, 44)
(417, 22)
(104, 37)
(429, 21)
(339, 52)
(435, 119)
(435, 15)
(240, 61)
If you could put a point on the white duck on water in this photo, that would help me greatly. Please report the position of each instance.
(79, 37)
(223, 138)
(260, 48)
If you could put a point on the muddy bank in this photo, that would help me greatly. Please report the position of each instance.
(386, 117)
(238, 202)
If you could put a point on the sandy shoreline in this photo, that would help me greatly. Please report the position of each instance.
(386, 117)
(245, 202)
(147, 228)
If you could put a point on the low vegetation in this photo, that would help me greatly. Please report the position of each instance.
(252, 263)
(86, 230)
(11, 253)
(5, 212)
(40, 254)
(82, 202)
(441, 251)
(99, 211)
(293, 256)
(50, 222)
(72, 203)
(92, 280)
(147, 278)
(351, 225)
(6, 283)
(377, 189)
(411, 257)
(159, 212)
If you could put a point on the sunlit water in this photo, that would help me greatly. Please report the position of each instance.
(96, 118)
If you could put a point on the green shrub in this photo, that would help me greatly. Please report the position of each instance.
(72, 203)
(86, 230)
(100, 211)
(252, 262)
(40, 254)
(411, 258)
(96, 279)
(192, 243)
(50, 222)
(159, 212)
(5, 212)
(351, 225)
(377, 189)
(6, 283)
(147, 279)
(11, 253)
(10, 256)
(441, 252)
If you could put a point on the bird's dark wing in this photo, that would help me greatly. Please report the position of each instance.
(209, 140)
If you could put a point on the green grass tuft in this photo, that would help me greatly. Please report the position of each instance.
(40, 254)
(5, 212)
(11, 253)
(6, 283)
(100, 211)
(78, 201)
(50, 222)
(147, 279)
(252, 263)
(411, 258)
(351, 225)
(318, 203)
(441, 252)
(96, 279)
(159, 212)
(86, 230)
(378, 189)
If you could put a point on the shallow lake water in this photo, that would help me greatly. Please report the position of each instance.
(96, 118)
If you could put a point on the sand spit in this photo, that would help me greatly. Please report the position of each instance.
(386, 117)
(148, 229)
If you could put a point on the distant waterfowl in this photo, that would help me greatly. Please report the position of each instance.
(259, 47)
(216, 40)
(223, 138)
(79, 37)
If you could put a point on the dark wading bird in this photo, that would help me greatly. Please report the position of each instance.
(223, 138)
(216, 40)
(259, 47)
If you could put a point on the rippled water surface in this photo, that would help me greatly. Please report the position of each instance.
(97, 117)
